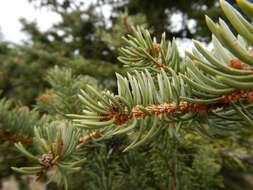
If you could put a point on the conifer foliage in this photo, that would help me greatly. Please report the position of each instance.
(174, 123)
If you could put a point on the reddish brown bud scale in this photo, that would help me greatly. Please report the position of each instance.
(236, 63)
(156, 47)
(159, 63)
(233, 97)
(14, 138)
(44, 97)
(54, 146)
(250, 96)
(125, 21)
(251, 52)
(62, 53)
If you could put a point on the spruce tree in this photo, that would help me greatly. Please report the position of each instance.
(173, 123)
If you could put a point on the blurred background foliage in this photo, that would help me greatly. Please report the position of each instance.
(84, 38)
